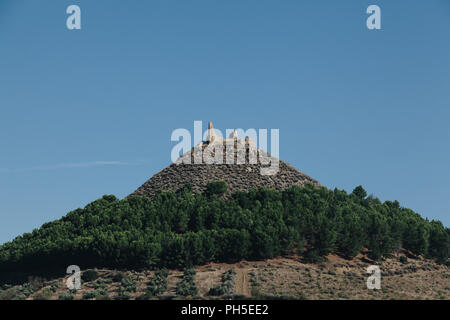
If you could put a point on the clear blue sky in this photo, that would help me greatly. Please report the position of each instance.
(90, 112)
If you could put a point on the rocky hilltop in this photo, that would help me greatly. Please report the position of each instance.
(255, 169)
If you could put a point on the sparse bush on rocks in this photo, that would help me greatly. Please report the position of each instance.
(94, 294)
(89, 275)
(66, 296)
(20, 292)
(187, 287)
(127, 286)
(44, 294)
(255, 285)
(158, 283)
(227, 287)
(117, 276)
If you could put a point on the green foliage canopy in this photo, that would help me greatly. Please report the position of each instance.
(181, 229)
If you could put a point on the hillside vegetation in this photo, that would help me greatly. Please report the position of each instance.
(279, 278)
(182, 229)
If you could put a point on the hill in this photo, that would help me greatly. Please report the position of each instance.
(244, 174)
(182, 229)
(189, 215)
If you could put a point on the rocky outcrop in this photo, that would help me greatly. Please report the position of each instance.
(239, 175)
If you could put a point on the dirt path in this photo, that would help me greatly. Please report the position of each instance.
(242, 282)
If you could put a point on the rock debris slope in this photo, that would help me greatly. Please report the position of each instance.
(244, 175)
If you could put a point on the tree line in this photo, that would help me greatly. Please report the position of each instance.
(182, 229)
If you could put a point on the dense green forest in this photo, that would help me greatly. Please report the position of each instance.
(182, 229)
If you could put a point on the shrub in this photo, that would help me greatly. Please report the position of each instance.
(89, 275)
(255, 285)
(44, 294)
(312, 256)
(89, 295)
(216, 188)
(187, 287)
(129, 284)
(102, 282)
(123, 295)
(228, 284)
(36, 282)
(66, 296)
(9, 294)
(95, 294)
(18, 292)
(118, 276)
(158, 283)
(54, 286)
(218, 291)
(103, 297)
(26, 290)
(255, 291)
